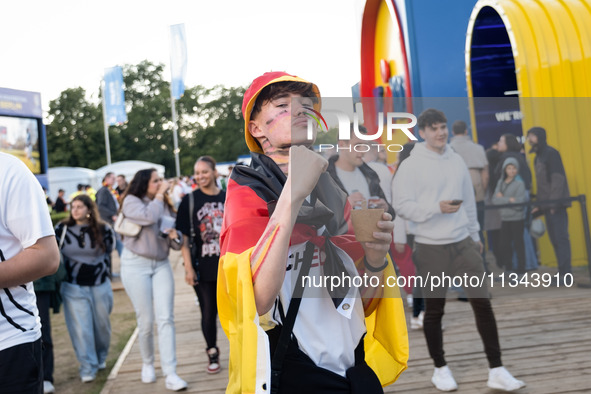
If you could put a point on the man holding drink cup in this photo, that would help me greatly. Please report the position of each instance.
(272, 233)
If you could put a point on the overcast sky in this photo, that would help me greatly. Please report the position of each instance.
(49, 46)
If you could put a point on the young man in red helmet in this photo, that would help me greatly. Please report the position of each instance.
(286, 219)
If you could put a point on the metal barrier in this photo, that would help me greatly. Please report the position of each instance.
(583, 204)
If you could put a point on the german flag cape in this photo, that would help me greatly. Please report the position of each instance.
(251, 194)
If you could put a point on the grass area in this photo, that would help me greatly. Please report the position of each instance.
(57, 217)
(66, 378)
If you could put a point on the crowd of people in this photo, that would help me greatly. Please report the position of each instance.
(248, 241)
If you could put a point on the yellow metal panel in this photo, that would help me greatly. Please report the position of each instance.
(551, 42)
(580, 12)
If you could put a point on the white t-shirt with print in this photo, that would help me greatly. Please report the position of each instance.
(326, 334)
(24, 219)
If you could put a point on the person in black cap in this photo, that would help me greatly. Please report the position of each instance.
(552, 185)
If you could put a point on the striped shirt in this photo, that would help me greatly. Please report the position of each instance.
(24, 219)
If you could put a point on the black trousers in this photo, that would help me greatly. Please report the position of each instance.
(43, 301)
(557, 224)
(206, 294)
(21, 369)
(300, 374)
(455, 259)
(512, 239)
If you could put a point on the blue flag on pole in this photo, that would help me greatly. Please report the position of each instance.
(178, 60)
(114, 98)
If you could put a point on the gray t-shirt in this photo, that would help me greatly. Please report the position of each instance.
(475, 158)
(354, 181)
(473, 154)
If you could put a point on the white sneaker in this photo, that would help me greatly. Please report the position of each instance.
(48, 387)
(148, 373)
(102, 365)
(87, 378)
(499, 378)
(174, 383)
(443, 380)
(416, 323)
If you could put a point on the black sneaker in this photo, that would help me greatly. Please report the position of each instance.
(214, 360)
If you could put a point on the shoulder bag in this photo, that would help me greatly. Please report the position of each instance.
(125, 227)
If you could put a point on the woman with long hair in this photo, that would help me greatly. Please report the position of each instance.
(86, 292)
(146, 273)
(201, 251)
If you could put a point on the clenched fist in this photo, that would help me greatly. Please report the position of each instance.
(305, 168)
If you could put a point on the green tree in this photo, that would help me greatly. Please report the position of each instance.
(210, 122)
(331, 136)
(75, 135)
(217, 128)
(147, 134)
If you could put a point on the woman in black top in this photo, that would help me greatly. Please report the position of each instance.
(203, 251)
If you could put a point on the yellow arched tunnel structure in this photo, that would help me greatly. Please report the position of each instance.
(551, 47)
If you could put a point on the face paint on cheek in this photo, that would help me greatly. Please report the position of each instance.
(280, 157)
(274, 122)
(266, 145)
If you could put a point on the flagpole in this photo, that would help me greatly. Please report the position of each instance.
(106, 125)
(178, 69)
(175, 137)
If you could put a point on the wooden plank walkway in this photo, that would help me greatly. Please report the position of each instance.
(546, 341)
(190, 345)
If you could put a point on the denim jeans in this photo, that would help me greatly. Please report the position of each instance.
(118, 244)
(531, 257)
(150, 287)
(86, 311)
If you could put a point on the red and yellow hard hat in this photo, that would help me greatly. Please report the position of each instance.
(251, 94)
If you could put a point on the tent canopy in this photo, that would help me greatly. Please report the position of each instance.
(128, 168)
(68, 178)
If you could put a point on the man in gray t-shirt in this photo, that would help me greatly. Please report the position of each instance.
(355, 177)
(474, 156)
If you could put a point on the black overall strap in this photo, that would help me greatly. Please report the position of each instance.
(195, 263)
(191, 208)
(288, 323)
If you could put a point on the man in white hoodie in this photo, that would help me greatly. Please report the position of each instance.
(432, 189)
